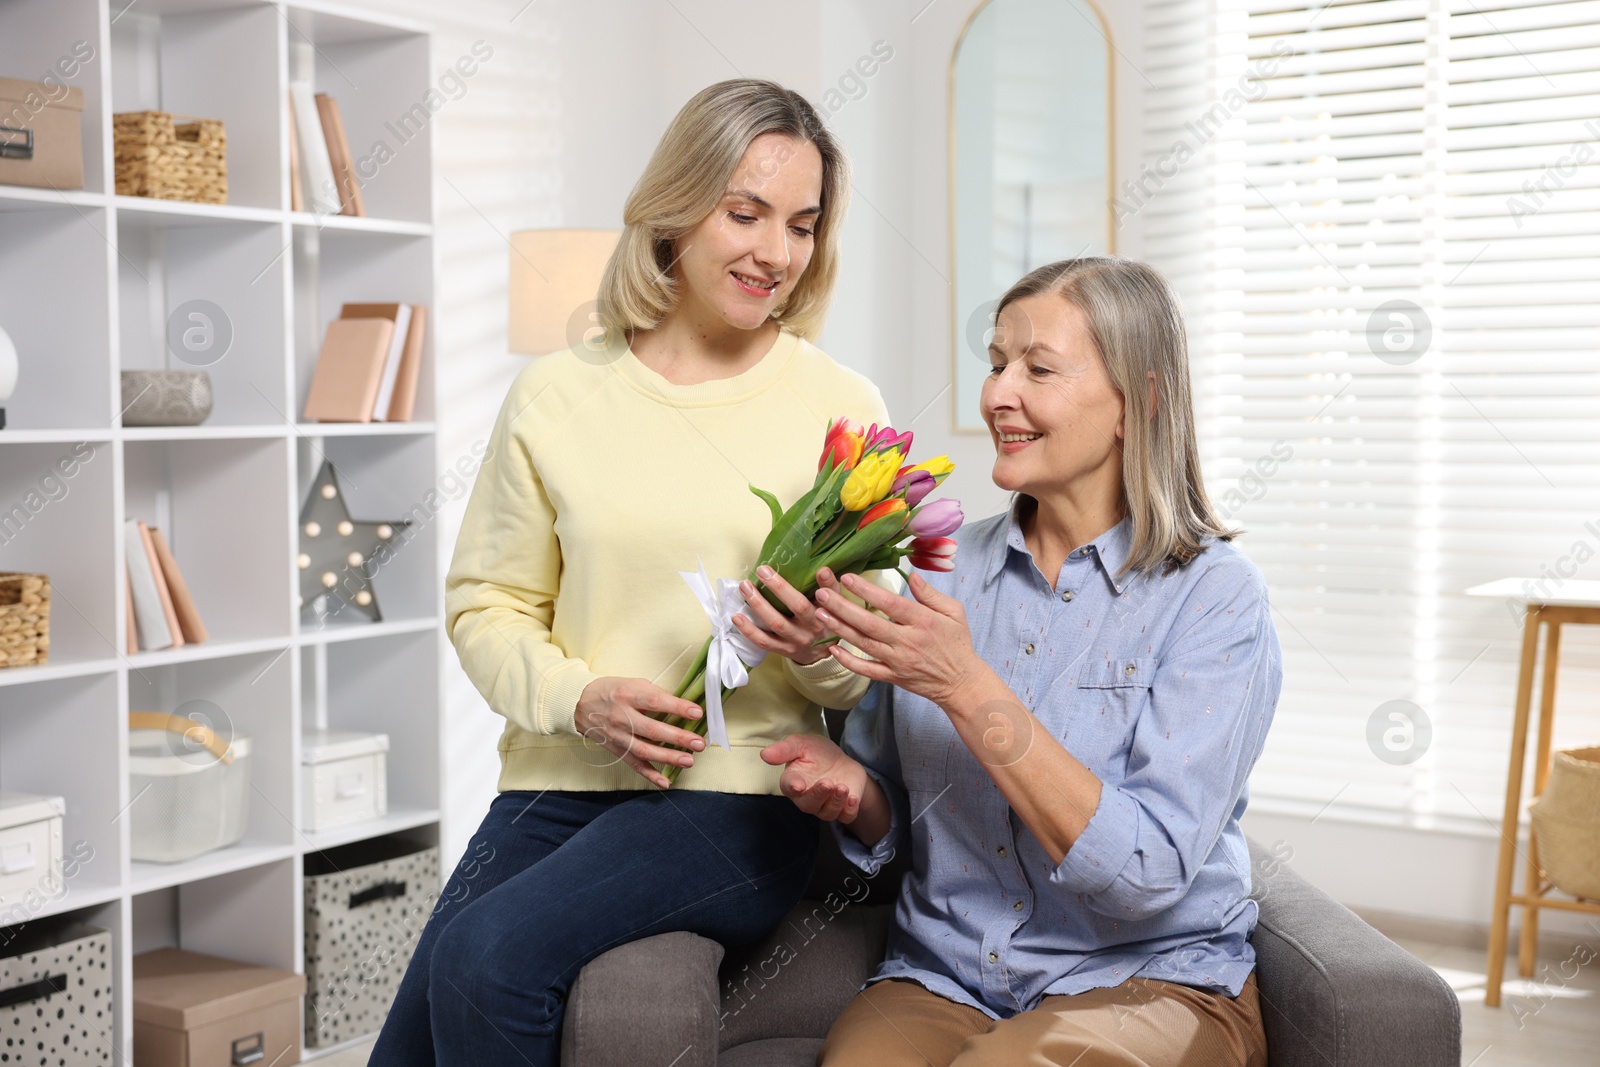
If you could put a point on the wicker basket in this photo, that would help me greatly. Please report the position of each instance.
(24, 619)
(160, 157)
(1566, 823)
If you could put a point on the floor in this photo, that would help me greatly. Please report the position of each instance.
(1550, 1020)
(1550, 1023)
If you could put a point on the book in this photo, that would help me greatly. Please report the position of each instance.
(163, 593)
(322, 192)
(350, 370)
(405, 385)
(344, 168)
(189, 623)
(133, 627)
(400, 315)
(149, 615)
(296, 201)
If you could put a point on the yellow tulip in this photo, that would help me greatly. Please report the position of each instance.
(938, 466)
(870, 481)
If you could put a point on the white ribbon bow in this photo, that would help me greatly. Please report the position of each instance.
(732, 655)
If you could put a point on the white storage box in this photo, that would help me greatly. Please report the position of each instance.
(189, 790)
(30, 847)
(345, 778)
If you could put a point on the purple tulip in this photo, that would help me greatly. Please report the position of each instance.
(915, 485)
(938, 519)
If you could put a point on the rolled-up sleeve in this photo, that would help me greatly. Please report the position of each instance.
(1209, 706)
(869, 739)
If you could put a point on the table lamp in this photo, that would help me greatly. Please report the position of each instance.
(555, 275)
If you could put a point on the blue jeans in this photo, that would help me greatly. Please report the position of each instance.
(551, 880)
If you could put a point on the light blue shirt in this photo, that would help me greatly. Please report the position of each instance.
(1163, 685)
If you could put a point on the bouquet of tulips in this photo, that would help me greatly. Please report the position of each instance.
(864, 512)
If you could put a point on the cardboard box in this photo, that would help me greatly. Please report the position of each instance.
(191, 1010)
(41, 142)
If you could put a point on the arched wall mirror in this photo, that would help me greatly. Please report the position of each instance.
(1030, 161)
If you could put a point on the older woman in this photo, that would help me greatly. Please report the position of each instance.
(1062, 728)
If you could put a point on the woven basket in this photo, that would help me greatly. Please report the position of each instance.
(24, 619)
(1566, 823)
(160, 157)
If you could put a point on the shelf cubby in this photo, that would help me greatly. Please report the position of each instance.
(205, 293)
(61, 41)
(56, 739)
(374, 686)
(57, 521)
(57, 257)
(381, 79)
(235, 914)
(334, 267)
(220, 504)
(385, 479)
(214, 61)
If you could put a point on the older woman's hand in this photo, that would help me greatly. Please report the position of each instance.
(922, 645)
(791, 636)
(818, 776)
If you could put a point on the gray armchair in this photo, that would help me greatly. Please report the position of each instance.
(1334, 992)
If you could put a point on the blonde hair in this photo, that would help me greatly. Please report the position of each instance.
(686, 177)
(1137, 326)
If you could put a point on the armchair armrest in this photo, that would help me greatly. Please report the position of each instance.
(1335, 992)
(642, 1000)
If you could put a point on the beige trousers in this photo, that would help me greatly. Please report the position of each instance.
(1140, 1023)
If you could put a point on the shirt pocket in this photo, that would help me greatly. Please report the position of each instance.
(1107, 703)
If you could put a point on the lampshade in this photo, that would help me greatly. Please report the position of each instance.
(555, 275)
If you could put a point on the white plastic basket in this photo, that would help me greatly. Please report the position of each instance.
(190, 793)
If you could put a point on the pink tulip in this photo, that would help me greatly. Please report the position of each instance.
(881, 439)
(933, 554)
(938, 519)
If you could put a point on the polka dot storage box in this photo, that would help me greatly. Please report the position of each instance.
(55, 994)
(365, 906)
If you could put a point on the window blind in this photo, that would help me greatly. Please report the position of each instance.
(1387, 238)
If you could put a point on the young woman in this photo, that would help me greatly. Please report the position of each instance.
(1062, 728)
(611, 469)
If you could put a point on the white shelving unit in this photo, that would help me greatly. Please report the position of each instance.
(88, 280)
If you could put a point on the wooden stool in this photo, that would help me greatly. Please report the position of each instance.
(1575, 603)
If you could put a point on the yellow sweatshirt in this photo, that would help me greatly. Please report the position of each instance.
(601, 482)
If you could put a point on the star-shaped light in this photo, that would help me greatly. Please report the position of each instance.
(337, 556)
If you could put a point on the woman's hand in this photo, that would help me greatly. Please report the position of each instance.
(819, 778)
(619, 715)
(790, 636)
(922, 645)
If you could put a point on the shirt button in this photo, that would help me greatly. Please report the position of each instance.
(994, 957)
(1128, 669)
(1029, 651)
(1017, 906)
(1067, 596)
(1002, 850)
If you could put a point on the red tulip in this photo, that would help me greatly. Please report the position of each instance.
(933, 553)
(844, 443)
(879, 510)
